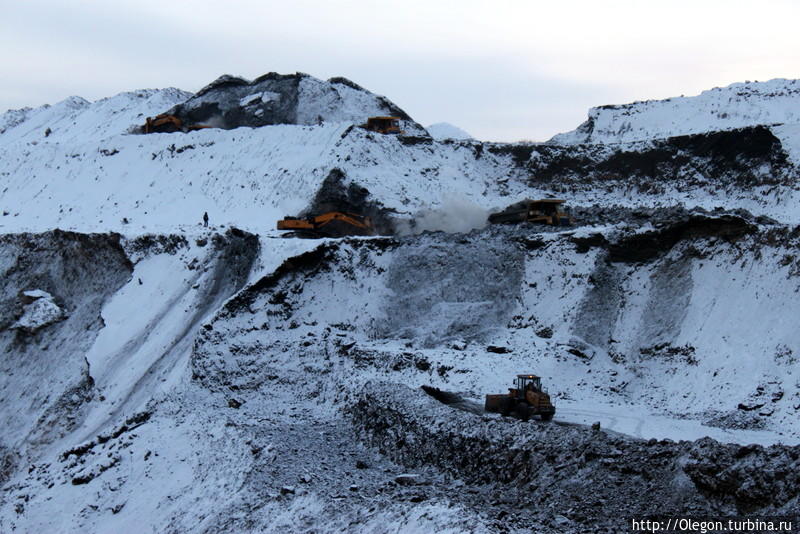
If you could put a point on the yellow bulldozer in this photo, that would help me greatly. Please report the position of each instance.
(384, 125)
(526, 398)
(168, 124)
(331, 224)
(544, 211)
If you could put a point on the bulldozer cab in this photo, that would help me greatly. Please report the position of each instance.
(528, 383)
(384, 125)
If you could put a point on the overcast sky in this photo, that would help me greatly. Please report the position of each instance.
(502, 70)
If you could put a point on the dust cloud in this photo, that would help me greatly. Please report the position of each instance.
(456, 214)
(217, 121)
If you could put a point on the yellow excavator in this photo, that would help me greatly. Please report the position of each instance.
(168, 124)
(331, 224)
(526, 398)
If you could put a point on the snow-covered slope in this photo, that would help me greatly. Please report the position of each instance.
(245, 177)
(252, 177)
(445, 130)
(722, 108)
(76, 165)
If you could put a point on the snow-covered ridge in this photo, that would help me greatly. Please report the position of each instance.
(227, 102)
(721, 108)
(75, 120)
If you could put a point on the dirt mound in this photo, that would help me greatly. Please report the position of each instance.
(454, 400)
(231, 102)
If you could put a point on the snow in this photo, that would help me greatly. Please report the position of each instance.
(445, 130)
(642, 422)
(42, 312)
(144, 320)
(246, 101)
(37, 294)
(269, 96)
(789, 135)
(722, 108)
(335, 102)
(263, 97)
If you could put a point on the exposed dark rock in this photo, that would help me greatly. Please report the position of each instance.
(647, 245)
(545, 333)
(337, 193)
(157, 243)
(746, 157)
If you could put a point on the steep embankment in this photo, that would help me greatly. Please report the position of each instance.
(46, 381)
(131, 309)
(152, 448)
(748, 168)
(677, 323)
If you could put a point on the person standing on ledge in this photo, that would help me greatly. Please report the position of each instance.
(205, 219)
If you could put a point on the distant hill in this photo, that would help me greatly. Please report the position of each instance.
(445, 130)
